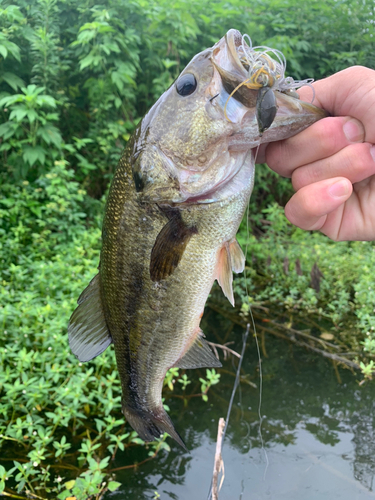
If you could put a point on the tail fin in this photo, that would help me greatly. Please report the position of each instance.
(152, 424)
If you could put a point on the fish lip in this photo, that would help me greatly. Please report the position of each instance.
(291, 111)
(293, 116)
(225, 55)
(233, 39)
(232, 73)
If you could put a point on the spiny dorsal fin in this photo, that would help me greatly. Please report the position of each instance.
(88, 331)
(169, 246)
(225, 274)
(199, 356)
(237, 257)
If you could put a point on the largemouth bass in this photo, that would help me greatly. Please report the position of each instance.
(176, 201)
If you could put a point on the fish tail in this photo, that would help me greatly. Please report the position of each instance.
(152, 424)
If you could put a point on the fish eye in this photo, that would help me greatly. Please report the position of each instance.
(186, 85)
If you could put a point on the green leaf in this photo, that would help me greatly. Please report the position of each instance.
(38, 212)
(11, 99)
(31, 155)
(32, 115)
(3, 51)
(50, 135)
(12, 80)
(46, 100)
(86, 61)
(113, 485)
(7, 129)
(103, 463)
(18, 113)
(70, 484)
(117, 80)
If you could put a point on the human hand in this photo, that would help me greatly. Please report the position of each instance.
(332, 163)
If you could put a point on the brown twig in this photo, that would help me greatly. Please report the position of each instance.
(290, 335)
(218, 464)
(224, 348)
(133, 466)
(11, 495)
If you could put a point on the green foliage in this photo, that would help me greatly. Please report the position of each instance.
(29, 137)
(212, 378)
(75, 79)
(368, 369)
(306, 274)
(102, 65)
(54, 410)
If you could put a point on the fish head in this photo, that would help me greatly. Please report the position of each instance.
(200, 133)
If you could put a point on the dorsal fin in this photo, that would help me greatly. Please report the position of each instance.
(169, 246)
(88, 331)
(199, 355)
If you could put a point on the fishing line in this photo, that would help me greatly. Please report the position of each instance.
(260, 401)
(257, 344)
(244, 341)
(256, 338)
(255, 160)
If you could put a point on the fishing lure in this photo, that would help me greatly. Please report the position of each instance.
(266, 73)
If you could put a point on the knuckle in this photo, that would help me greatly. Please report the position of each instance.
(359, 71)
(277, 155)
(329, 134)
(357, 159)
(298, 210)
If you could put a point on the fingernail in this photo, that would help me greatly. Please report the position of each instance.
(372, 152)
(353, 130)
(339, 189)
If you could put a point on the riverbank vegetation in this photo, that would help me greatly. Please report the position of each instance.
(75, 79)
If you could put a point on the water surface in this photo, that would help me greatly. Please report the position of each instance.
(318, 434)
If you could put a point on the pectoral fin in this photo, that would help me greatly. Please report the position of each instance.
(237, 257)
(199, 356)
(88, 331)
(169, 246)
(231, 259)
(225, 274)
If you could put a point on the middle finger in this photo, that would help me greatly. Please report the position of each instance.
(321, 140)
(355, 162)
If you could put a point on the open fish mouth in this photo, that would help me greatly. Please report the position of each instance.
(253, 79)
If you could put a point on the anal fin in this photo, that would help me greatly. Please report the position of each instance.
(199, 355)
(88, 331)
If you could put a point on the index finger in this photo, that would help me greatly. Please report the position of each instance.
(350, 92)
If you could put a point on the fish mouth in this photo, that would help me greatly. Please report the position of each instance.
(254, 94)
